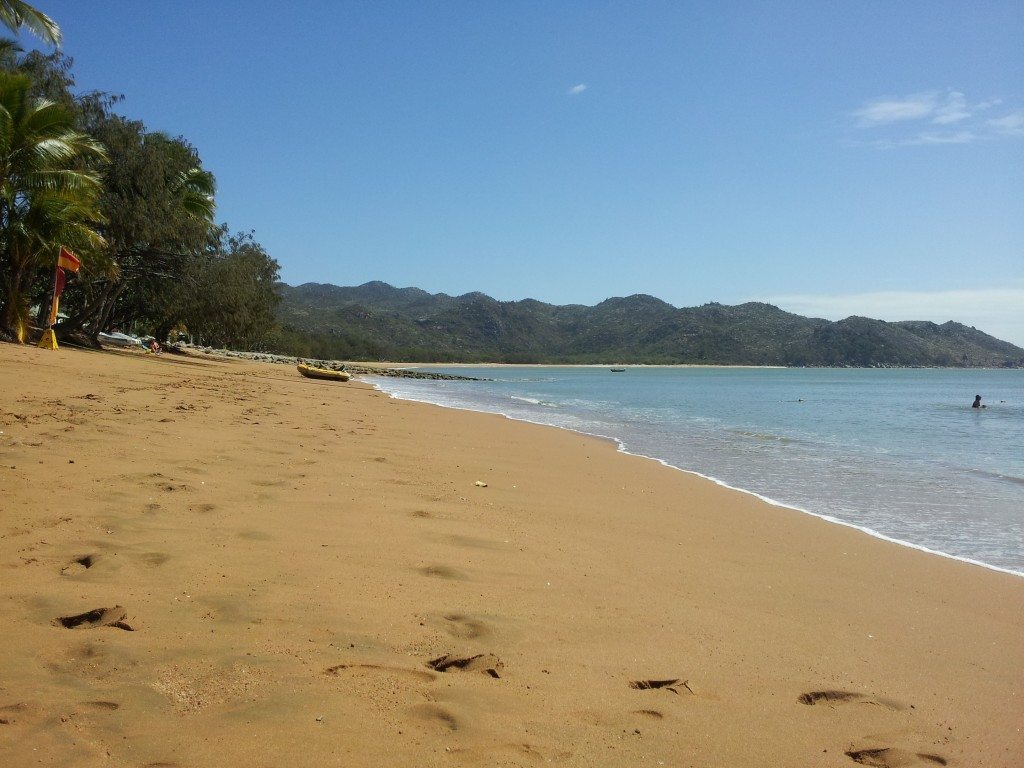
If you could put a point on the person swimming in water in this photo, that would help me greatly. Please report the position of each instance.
(977, 402)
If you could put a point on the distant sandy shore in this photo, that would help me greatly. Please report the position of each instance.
(564, 365)
(208, 562)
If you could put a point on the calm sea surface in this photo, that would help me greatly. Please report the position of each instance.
(897, 452)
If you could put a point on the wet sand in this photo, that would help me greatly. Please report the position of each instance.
(220, 563)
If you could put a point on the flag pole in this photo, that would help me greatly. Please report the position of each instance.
(49, 338)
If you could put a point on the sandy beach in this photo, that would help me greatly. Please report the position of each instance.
(219, 563)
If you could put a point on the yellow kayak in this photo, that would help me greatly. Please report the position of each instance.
(323, 373)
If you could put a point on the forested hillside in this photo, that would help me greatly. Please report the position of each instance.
(379, 321)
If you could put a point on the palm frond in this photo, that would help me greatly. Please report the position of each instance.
(15, 14)
(197, 188)
(14, 90)
(63, 182)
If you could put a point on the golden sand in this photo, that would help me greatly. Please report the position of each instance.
(217, 563)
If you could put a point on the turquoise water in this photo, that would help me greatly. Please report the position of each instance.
(899, 453)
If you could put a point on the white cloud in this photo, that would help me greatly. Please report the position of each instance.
(996, 311)
(902, 121)
(953, 110)
(940, 137)
(576, 90)
(921, 139)
(891, 110)
(1012, 124)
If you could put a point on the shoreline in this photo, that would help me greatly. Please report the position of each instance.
(709, 366)
(407, 366)
(721, 483)
(316, 573)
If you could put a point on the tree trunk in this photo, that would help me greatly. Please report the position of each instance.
(109, 304)
(15, 314)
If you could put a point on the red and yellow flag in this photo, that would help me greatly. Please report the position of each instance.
(66, 261)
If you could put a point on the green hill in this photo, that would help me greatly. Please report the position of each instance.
(379, 321)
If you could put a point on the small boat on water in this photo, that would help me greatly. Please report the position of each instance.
(323, 373)
(618, 370)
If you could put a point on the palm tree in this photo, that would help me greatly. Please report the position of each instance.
(46, 199)
(15, 14)
(195, 190)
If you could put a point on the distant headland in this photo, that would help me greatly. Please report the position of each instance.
(379, 321)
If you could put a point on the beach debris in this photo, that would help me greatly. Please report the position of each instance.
(668, 685)
(97, 617)
(480, 484)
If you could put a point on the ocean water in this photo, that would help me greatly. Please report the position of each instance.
(898, 453)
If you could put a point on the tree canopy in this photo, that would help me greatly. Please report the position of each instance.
(137, 205)
(48, 195)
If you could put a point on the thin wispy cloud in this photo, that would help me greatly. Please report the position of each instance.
(576, 90)
(995, 311)
(953, 110)
(933, 117)
(1012, 124)
(891, 110)
(950, 137)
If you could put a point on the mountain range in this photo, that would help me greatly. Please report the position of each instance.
(378, 321)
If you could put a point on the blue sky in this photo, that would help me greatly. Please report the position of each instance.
(835, 158)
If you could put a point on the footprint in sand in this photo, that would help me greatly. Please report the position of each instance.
(892, 757)
(23, 715)
(9, 713)
(170, 487)
(672, 684)
(436, 715)
(465, 627)
(813, 698)
(253, 535)
(651, 713)
(79, 565)
(415, 674)
(471, 542)
(487, 663)
(489, 754)
(103, 706)
(97, 617)
(443, 572)
(154, 559)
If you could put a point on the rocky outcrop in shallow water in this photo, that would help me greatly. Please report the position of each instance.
(332, 365)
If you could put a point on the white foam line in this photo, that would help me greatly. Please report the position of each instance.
(768, 500)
